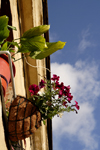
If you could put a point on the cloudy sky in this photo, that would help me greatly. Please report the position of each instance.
(77, 22)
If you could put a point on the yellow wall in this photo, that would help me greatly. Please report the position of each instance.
(30, 15)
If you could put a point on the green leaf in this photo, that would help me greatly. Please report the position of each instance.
(14, 44)
(4, 47)
(3, 22)
(39, 102)
(35, 53)
(4, 32)
(33, 44)
(68, 109)
(52, 47)
(13, 57)
(36, 31)
(44, 122)
(11, 50)
(11, 27)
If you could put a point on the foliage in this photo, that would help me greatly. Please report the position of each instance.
(31, 42)
(55, 99)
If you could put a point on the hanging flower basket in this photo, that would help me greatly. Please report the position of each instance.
(24, 118)
(5, 71)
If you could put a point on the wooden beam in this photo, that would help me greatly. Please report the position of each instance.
(46, 35)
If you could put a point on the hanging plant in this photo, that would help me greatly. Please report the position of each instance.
(24, 118)
(25, 115)
(55, 99)
(31, 42)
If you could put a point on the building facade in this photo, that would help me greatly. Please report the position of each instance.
(25, 14)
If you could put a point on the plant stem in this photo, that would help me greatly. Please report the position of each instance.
(17, 59)
(14, 54)
(20, 58)
(16, 39)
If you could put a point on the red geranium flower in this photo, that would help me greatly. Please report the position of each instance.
(60, 93)
(69, 97)
(33, 89)
(67, 88)
(61, 86)
(55, 77)
(42, 84)
(64, 103)
(76, 105)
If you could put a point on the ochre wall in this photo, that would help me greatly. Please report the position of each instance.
(25, 15)
(31, 16)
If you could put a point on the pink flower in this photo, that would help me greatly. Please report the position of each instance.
(41, 84)
(55, 77)
(69, 97)
(67, 88)
(60, 93)
(57, 85)
(64, 103)
(33, 89)
(61, 86)
(76, 105)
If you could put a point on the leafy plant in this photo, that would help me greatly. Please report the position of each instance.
(55, 99)
(31, 42)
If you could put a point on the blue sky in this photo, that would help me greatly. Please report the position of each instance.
(78, 65)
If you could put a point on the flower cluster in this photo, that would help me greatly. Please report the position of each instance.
(55, 99)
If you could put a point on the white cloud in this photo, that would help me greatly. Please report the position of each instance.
(85, 88)
(82, 77)
(85, 42)
(78, 127)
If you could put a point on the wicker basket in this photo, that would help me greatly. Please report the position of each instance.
(24, 119)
